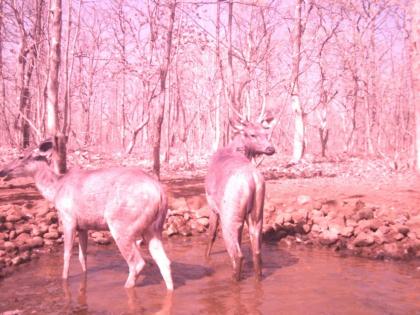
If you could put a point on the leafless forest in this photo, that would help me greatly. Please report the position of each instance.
(159, 79)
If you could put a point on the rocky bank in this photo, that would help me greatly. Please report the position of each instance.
(357, 228)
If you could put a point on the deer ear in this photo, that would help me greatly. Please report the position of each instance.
(45, 146)
(269, 122)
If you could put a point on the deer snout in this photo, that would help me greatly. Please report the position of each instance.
(270, 150)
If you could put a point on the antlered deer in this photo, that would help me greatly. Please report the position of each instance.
(127, 201)
(235, 190)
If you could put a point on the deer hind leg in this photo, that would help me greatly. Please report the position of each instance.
(69, 232)
(255, 223)
(159, 256)
(129, 250)
(232, 233)
(213, 225)
(83, 241)
(255, 236)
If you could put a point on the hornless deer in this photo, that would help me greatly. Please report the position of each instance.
(235, 191)
(127, 201)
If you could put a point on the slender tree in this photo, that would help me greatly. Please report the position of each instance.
(299, 133)
(415, 73)
(52, 87)
(157, 134)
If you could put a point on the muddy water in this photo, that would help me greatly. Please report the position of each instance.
(295, 281)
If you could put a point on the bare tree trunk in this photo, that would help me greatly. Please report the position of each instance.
(231, 72)
(299, 133)
(59, 159)
(69, 67)
(219, 85)
(415, 73)
(26, 63)
(163, 73)
(3, 84)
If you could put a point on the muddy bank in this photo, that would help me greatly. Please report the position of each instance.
(351, 225)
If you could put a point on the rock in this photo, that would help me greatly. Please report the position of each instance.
(53, 227)
(103, 240)
(303, 199)
(306, 228)
(13, 218)
(51, 235)
(203, 221)
(300, 216)
(43, 228)
(17, 260)
(328, 237)
(384, 229)
(364, 214)
(359, 205)
(22, 239)
(336, 228)
(52, 217)
(36, 231)
(172, 230)
(363, 239)
(403, 229)
(36, 241)
(379, 237)
(347, 231)
(200, 228)
(316, 228)
(398, 236)
(317, 205)
(25, 228)
(12, 234)
(268, 232)
(9, 246)
(185, 231)
(4, 236)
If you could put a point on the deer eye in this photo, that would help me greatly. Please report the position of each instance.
(252, 136)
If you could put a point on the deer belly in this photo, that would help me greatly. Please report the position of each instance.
(91, 222)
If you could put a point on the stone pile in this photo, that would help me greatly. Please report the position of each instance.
(351, 227)
(22, 234)
(25, 231)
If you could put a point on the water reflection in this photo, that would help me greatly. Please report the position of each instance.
(295, 281)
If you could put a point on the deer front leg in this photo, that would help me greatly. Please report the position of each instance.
(83, 241)
(69, 233)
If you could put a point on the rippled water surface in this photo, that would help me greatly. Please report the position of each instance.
(295, 281)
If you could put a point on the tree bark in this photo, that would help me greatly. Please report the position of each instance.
(299, 133)
(59, 159)
(161, 109)
(415, 73)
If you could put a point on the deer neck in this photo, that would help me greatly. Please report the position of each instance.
(47, 182)
(239, 145)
